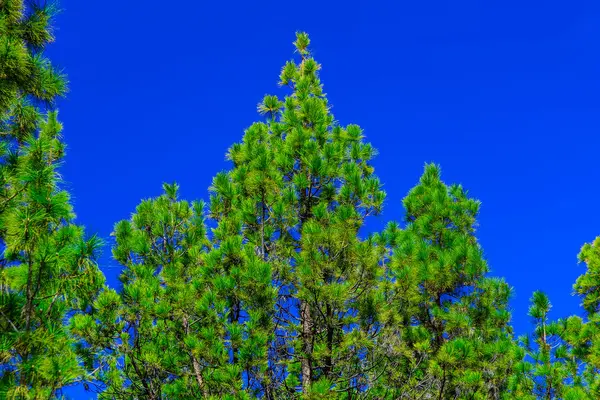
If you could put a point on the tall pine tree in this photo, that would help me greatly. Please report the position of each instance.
(300, 190)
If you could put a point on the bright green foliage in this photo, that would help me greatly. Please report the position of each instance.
(563, 357)
(588, 284)
(330, 273)
(299, 192)
(446, 325)
(587, 338)
(161, 336)
(551, 368)
(283, 298)
(24, 72)
(48, 270)
(240, 274)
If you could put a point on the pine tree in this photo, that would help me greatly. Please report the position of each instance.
(161, 336)
(242, 277)
(446, 324)
(25, 74)
(283, 297)
(47, 270)
(586, 340)
(330, 186)
(300, 189)
(561, 358)
(551, 368)
(588, 284)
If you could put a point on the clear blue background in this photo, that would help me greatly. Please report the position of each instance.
(502, 94)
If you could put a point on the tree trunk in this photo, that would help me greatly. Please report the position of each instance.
(195, 362)
(328, 368)
(307, 344)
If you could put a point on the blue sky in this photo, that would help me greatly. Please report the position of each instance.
(504, 95)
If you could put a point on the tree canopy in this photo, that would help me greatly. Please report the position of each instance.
(272, 289)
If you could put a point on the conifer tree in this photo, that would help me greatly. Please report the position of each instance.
(446, 324)
(561, 357)
(47, 270)
(588, 285)
(551, 367)
(242, 277)
(283, 297)
(298, 193)
(161, 336)
(330, 189)
(25, 74)
(586, 341)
